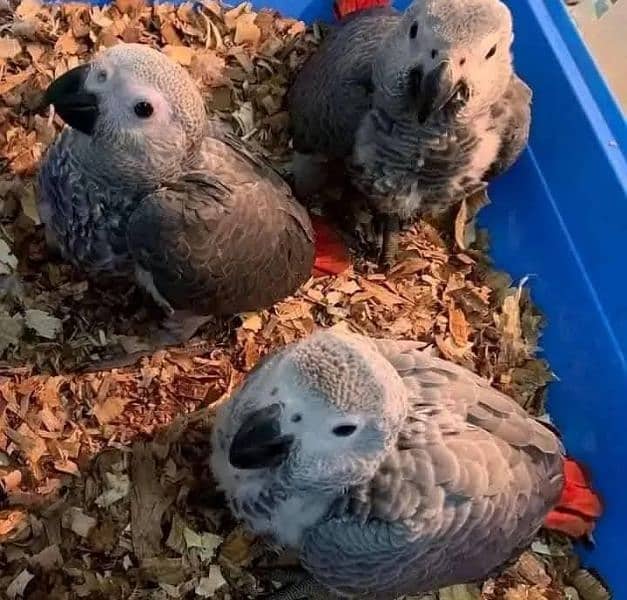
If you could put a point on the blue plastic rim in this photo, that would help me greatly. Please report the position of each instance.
(560, 215)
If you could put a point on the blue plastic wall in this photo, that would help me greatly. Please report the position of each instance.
(560, 215)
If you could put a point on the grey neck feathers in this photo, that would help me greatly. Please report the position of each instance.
(128, 164)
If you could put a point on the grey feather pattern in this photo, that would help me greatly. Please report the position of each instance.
(225, 236)
(333, 90)
(227, 242)
(470, 482)
(86, 219)
(405, 168)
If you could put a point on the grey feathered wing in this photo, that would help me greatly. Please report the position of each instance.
(226, 237)
(333, 90)
(513, 113)
(470, 482)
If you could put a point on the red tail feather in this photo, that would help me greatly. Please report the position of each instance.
(343, 8)
(579, 506)
(332, 255)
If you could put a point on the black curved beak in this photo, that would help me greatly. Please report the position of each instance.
(78, 108)
(435, 90)
(258, 443)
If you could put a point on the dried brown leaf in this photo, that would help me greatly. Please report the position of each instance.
(525, 592)
(9, 47)
(252, 322)
(181, 54)
(10, 482)
(170, 35)
(17, 587)
(161, 569)
(246, 32)
(29, 442)
(460, 592)
(237, 548)
(28, 9)
(78, 521)
(42, 323)
(12, 520)
(67, 44)
(380, 293)
(8, 261)
(231, 16)
(148, 502)
(48, 559)
(207, 586)
(110, 409)
(208, 67)
(458, 326)
(9, 82)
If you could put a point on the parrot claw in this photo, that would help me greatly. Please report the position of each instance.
(147, 283)
(297, 585)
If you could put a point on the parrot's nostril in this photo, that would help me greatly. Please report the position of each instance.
(434, 53)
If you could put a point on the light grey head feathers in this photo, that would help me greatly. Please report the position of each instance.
(142, 113)
(451, 55)
(326, 411)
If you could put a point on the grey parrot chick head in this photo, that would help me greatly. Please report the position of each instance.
(449, 57)
(134, 103)
(325, 413)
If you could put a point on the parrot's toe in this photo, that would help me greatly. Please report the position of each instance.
(179, 328)
(297, 585)
(52, 245)
(391, 226)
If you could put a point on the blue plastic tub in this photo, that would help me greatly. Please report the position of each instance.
(560, 215)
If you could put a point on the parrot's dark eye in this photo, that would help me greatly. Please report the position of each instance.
(143, 110)
(491, 52)
(413, 30)
(344, 430)
(101, 76)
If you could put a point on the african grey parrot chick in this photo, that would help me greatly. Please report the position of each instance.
(388, 470)
(142, 185)
(446, 111)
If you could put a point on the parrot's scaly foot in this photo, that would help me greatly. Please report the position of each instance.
(180, 327)
(297, 585)
(52, 246)
(389, 250)
(405, 224)
(147, 283)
